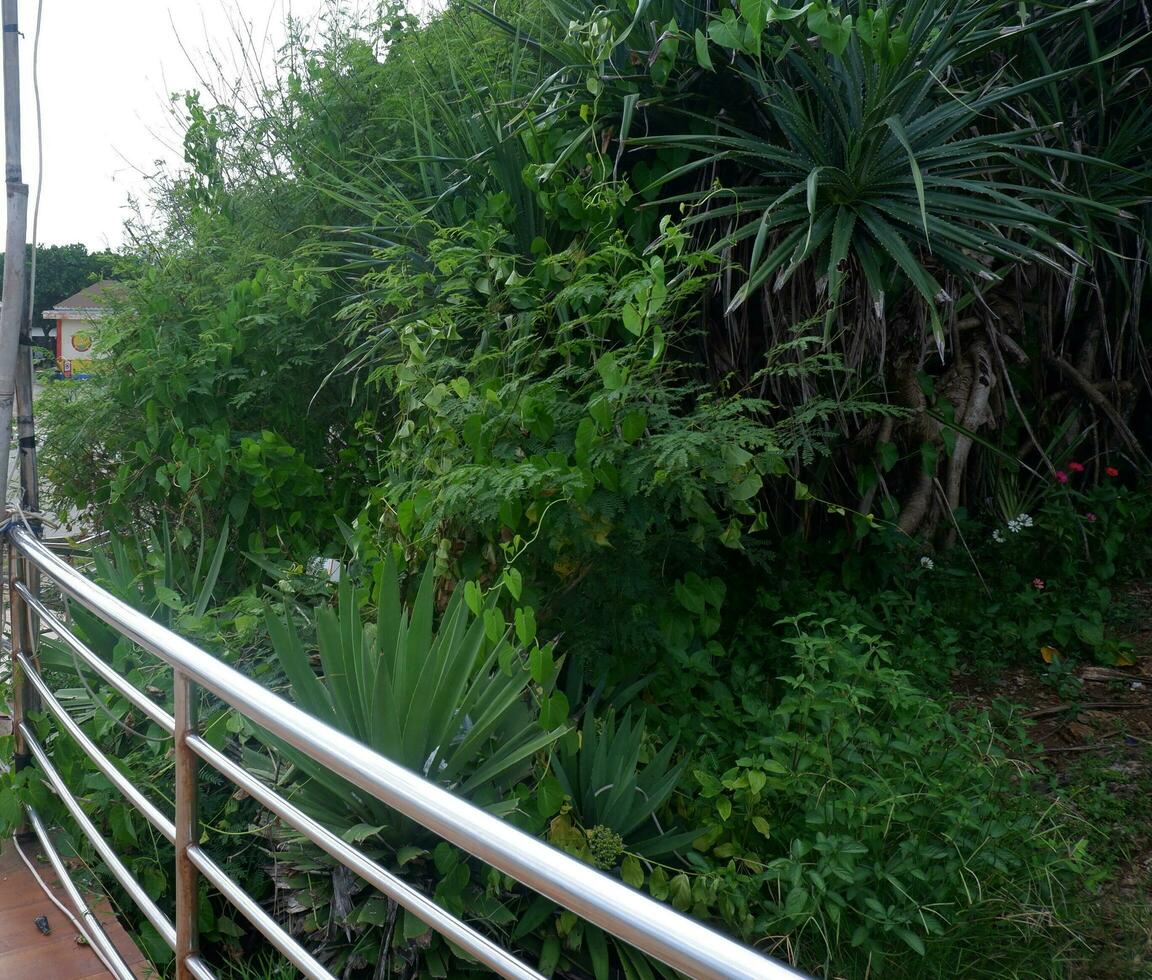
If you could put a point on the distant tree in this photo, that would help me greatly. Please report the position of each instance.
(62, 270)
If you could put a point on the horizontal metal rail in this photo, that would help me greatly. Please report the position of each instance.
(677, 940)
(198, 968)
(292, 950)
(399, 891)
(101, 761)
(154, 712)
(160, 922)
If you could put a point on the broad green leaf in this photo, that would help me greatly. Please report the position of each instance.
(632, 426)
(494, 625)
(549, 797)
(600, 410)
(755, 14)
(797, 901)
(632, 320)
(747, 488)
(632, 872)
(913, 941)
(525, 624)
(513, 582)
(610, 371)
(725, 30)
(703, 58)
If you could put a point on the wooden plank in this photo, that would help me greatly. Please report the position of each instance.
(26, 953)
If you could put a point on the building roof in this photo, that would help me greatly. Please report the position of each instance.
(90, 299)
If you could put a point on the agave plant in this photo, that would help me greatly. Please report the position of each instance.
(613, 793)
(442, 700)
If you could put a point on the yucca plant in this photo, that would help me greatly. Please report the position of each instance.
(444, 700)
(920, 176)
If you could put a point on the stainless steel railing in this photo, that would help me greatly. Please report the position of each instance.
(656, 929)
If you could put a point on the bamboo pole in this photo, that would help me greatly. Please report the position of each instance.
(11, 325)
(16, 238)
(25, 386)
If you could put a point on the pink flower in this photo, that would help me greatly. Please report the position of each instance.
(1112, 471)
(1091, 518)
(1061, 476)
(1037, 583)
(1076, 467)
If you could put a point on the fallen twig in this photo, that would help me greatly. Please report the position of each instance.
(1091, 706)
(1079, 748)
(1102, 674)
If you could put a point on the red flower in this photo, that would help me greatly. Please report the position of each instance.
(1037, 583)
(1112, 471)
(1091, 518)
(1061, 476)
(1076, 467)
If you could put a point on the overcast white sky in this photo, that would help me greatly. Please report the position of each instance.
(106, 71)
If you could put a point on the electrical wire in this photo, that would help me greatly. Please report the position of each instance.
(44, 887)
(48, 891)
(4, 769)
(23, 517)
(39, 160)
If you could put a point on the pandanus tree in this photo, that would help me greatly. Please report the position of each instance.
(953, 191)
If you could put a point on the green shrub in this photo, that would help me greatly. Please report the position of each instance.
(1038, 573)
(585, 308)
(870, 830)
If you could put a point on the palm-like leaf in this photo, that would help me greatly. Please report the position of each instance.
(879, 163)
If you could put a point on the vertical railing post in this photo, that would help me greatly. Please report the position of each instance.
(187, 824)
(20, 751)
(25, 700)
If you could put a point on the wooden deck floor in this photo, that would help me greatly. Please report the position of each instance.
(25, 952)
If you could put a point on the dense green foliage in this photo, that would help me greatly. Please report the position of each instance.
(737, 373)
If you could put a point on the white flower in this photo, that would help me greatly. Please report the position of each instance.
(998, 536)
(927, 563)
(1018, 523)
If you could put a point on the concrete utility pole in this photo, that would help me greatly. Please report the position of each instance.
(12, 311)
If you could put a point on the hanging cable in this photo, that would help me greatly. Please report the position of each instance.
(51, 896)
(31, 307)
